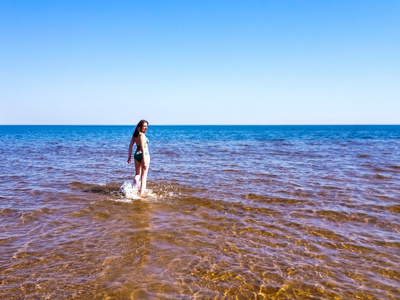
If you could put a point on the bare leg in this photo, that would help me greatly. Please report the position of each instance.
(144, 179)
(138, 168)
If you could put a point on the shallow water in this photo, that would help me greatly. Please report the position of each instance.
(263, 212)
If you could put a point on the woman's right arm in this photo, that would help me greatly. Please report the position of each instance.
(130, 150)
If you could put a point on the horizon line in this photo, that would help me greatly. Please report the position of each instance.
(358, 124)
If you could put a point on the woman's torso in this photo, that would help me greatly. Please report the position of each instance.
(138, 142)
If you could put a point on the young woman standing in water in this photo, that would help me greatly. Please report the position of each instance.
(141, 156)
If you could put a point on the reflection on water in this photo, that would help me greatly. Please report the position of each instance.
(308, 216)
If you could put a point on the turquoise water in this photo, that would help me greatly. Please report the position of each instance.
(248, 211)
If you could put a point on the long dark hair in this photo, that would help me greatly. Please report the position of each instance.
(138, 126)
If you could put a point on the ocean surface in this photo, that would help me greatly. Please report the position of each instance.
(233, 212)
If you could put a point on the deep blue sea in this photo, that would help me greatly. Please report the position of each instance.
(234, 212)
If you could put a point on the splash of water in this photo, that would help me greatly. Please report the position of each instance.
(131, 191)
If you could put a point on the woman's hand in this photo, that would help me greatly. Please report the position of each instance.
(128, 161)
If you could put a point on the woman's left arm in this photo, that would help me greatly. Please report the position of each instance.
(145, 149)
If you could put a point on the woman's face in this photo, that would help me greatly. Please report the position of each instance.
(144, 127)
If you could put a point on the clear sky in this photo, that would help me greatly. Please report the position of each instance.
(200, 62)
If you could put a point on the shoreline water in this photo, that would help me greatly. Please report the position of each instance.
(253, 212)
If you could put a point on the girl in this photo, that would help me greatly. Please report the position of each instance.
(141, 156)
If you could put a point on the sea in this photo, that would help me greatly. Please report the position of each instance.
(232, 212)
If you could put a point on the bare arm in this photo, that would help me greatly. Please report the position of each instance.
(130, 150)
(144, 148)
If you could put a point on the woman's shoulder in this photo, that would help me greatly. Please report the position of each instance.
(141, 135)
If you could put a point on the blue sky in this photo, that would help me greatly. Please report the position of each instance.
(200, 62)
